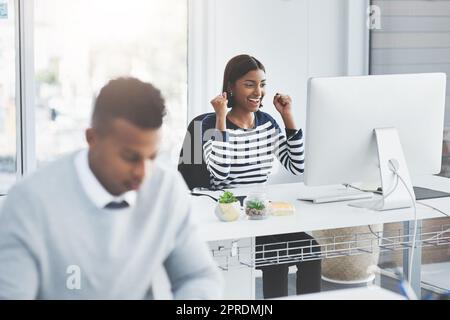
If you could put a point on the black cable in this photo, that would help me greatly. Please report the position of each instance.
(348, 185)
(431, 207)
(203, 194)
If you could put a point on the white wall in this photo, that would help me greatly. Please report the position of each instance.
(294, 39)
(275, 32)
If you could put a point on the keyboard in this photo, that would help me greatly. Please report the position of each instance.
(336, 195)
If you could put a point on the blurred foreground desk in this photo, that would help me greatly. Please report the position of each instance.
(364, 293)
(232, 243)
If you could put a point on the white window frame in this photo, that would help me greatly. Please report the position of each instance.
(25, 77)
(201, 55)
(25, 119)
(358, 32)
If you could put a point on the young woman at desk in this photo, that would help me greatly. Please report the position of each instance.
(246, 141)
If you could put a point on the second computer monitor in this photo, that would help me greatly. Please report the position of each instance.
(342, 113)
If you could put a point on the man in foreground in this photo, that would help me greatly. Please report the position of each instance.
(99, 223)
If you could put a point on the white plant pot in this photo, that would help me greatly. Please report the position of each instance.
(348, 269)
(228, 211)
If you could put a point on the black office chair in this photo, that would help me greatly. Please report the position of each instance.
(191, 163)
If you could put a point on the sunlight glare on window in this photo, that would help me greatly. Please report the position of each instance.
(81, 45)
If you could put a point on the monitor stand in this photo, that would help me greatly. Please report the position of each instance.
(391, 159)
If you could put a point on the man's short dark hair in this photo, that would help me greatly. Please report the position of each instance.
(130, 99)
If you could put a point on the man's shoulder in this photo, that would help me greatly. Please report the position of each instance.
(37, 189)
(166, 171)
(164, 184)
(46, 176)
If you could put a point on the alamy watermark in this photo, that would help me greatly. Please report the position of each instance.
(373, 21)
(249, 149)
(73, 281)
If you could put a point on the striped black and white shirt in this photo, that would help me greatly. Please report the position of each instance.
(241, 157)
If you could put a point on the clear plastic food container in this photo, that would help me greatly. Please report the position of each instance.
(256, 206)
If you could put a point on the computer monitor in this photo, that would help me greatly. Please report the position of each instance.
(342, 114)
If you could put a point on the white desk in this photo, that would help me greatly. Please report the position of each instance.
(310, 217)
(364, 293)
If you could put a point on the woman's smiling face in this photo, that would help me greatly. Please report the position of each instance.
(249, 90)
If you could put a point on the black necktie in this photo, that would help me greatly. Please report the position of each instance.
(117, 205)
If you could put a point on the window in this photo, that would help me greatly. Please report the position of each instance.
(8, 143)
(415, 37)
(80, 45)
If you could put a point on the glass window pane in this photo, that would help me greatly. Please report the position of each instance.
(80, 45)
(414, 37)
(7, 96)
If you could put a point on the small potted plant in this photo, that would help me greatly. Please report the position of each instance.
(228, 208)
(256, 207)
